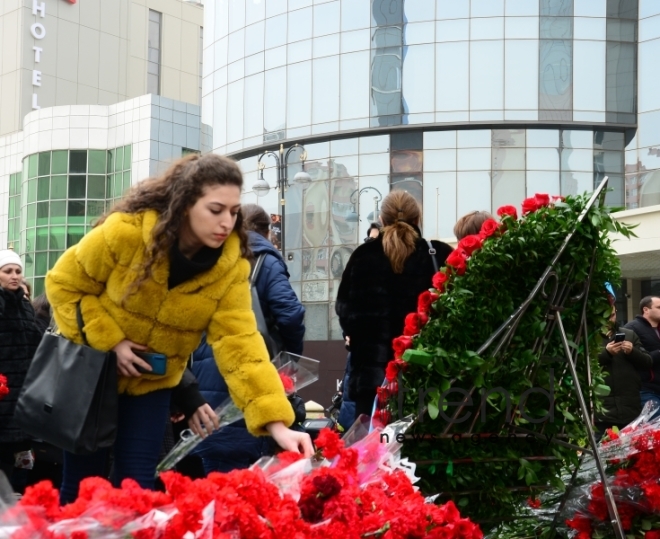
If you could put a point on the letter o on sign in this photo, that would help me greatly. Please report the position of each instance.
(38, 31)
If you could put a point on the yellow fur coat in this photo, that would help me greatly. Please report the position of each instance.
(97, 272)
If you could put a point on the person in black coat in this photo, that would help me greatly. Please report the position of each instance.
(19, 338)
(647, 326)
(380, 286)
(621, 362)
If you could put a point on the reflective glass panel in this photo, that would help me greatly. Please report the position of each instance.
(376, 144)
(576, 183)
(326, 19)
(581, 160)
(542, 138)
(418, 79)
(473, 159)
(354, 88)
(439, 204)
(42, 213)
(542, 159)
(521, 75)
(452, 9)
(521, 7)
(452, 30)
(299, 94)
(555, 74)
(33, 165)
(508, 188)
(276, 31)
(521, 28)
(60, 162)
(44, 163)
(452, 86)
(419, 10)
(77, 185)
(254, 38)
(300, 24)
(254, 11)
(96, 187)
(439, 139)
(347, 146)
(325, 100)
(487, 28)
(78, 161)
(355, 14)
(621, 77)
(473, 192)
(253, 109)
(508, 159)
(577, 139)
(43, 188)
(374, 164)
(439, 160)
(589, 72)
(539, 181)
(474, 138)
(487, 75)
(274, 112)
(621, 30)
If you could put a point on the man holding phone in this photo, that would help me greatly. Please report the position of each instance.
(646, 327)
(622, 358)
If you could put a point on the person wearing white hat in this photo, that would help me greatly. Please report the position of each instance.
(19, 338)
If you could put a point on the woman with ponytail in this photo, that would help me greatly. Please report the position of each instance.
(379, 287)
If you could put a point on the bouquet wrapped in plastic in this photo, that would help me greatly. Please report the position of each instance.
(342, 492)
(296, 372)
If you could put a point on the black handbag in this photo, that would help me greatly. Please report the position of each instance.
(69, 398)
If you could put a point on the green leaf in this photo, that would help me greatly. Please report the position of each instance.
(418, 357)
(602, 390)
(646, 525)
(432, 408)
(568, 415)
(450, 467)
(463, 502)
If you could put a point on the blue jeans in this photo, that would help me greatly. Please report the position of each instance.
(140, 432)
(646, 395)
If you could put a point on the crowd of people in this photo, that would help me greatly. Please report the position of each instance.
(169, 270)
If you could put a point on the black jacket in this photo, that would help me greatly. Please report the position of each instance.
(651, 343)
(372, 303)
(19, 338)
(623, 404)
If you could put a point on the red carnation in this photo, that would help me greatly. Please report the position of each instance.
(329, 442)
(401, 344)
(425, 300)
(457, 260)
(652, 534)
(4, 390)
(542, 199)
(470, 243)
(529, 205)
(489, 228)
(287, 382)
(534, 503)
(412, 325)
(439, 280)
(510, 211)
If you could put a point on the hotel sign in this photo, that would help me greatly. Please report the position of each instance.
(38, 31)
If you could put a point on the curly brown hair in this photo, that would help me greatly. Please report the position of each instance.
(171, 194)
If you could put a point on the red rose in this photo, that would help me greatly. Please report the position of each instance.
(393, 369)
(534, 503)
(425, 300)
(507, 210)
(423, 319)
(439, 280)
(470, 243)
(457, 260)
(542, 199)
(383, 394)
(401, 344)
(382, 417)
(412, 324)
(489, 228)
(529, 205)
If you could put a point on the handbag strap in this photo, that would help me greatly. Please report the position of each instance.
(79, 318)
(432, 252)
(255, 270)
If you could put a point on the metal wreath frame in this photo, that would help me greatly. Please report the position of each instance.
(557, 293)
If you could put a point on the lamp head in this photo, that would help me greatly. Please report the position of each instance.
(302, 177)
(261, 186)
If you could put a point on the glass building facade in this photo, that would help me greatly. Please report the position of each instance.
(467, 104)
(57, 198)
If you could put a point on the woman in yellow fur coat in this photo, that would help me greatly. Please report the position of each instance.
(169, 262)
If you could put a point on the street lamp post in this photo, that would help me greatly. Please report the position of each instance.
(354, 217)
(261, 186)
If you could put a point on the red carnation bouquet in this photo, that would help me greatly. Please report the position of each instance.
(343, 492)
(4, 389)
(632, 459)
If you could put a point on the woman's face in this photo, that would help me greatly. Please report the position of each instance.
(11, 276)
(212, 218)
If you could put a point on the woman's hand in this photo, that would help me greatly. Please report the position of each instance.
(127, 360)
(291, 440)
(614, 347)
(204, 415)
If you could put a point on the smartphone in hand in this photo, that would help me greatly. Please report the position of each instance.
(158, 363)
(619, 337)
